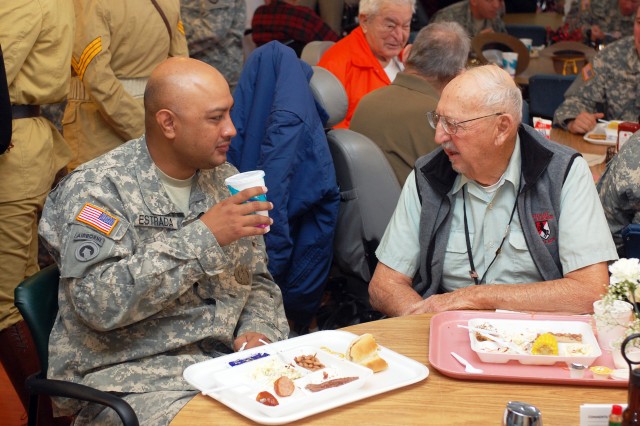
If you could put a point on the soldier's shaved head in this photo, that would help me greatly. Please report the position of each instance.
(187, 117)
(175, 81)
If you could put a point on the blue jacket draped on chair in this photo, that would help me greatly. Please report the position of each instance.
(281, 131)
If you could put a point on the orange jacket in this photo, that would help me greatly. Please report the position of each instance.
(353, 62)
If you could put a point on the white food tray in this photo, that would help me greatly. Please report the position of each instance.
(601, 129)
(402, 371)
(513, 327)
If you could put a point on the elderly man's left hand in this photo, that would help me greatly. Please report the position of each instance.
(457, 300)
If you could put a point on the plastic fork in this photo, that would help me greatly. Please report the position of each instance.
(467, 365)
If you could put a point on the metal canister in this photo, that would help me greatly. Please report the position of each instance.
(521, 414)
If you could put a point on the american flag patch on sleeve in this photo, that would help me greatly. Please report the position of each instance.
(587, 72)
(97, 218)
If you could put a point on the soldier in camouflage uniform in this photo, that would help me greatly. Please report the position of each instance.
(607, 20)
(160, 266)
(610, 84)
(475, 16)
(214, 31)
(619, 189)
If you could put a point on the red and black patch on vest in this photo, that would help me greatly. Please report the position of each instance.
(543, 227)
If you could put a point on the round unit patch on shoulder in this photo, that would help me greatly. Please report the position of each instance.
(87, 250)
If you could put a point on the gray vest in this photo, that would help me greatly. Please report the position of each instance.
(545, 166)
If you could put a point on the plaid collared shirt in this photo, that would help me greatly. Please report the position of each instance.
(282, 21)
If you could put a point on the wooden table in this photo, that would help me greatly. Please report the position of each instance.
(546, 19)
(541, 64)
(437, 400)
(593, 153)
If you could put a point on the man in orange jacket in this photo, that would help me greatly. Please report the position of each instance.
(367, 59)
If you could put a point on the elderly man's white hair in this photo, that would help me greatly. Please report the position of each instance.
(372, 7)
(496, 90)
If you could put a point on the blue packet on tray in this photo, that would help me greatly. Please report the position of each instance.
(248, 359)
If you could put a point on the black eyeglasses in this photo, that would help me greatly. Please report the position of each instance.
(449, 125)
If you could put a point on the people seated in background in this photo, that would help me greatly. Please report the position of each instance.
(609, 90)
(437, 55)
(367, 58)
(112, 59)
(159, 266)
(619, 189)
(215, 32)
(605, 21)
(475, 16)
(572, 11)
(495, 218)
(284, 21)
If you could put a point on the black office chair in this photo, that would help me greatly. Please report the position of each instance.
(369, 192)
(37, 300)
(537, 33)
(546, 93)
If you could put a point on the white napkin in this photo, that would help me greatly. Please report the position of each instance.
(594, 159)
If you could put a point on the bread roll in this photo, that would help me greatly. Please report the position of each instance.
(364, 351)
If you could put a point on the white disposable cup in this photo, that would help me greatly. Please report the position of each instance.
(493, 56)
(527, 42)
(510, 62)
(611, 321)
(619, 362)
(241, 181)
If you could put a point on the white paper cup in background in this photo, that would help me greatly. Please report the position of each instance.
(510, 62)
(241, 181)
(493, 56)
(527, 42)
(619, 362)
(611, 321)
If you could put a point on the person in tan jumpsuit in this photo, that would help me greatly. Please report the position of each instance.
(117, 44)
(36, 38)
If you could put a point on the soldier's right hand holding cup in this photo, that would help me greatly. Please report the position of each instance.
(235, 217)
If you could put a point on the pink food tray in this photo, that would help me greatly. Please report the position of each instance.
(446, 336)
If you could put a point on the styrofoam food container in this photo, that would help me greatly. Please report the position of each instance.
(532, 328)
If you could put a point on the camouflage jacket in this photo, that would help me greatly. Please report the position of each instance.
(619, 189)
(461, 13)
(613, 86)
(607, 16)
(215, 30)
(146, 291)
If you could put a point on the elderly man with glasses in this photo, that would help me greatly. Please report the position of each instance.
(497, 218)
(369, 57)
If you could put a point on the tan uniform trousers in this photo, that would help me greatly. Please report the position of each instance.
(27, 172)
